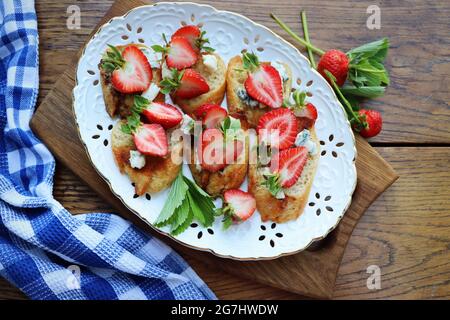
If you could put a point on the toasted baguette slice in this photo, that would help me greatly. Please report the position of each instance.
(217, 84)
(157, 174)
(117, 103)
(296, 197)
(235, 82)
(231, 177)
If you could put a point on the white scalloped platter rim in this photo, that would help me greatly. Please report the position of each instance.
(272, 240)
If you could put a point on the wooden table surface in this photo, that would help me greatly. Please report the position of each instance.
(406, 232)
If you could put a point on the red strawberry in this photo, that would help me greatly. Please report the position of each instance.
(181, 55)
(200, 112)
(374, 123)
(214, 116)
(212, 150)
(282, 120)
(307, 116)
(242, 204)
(264, 85)
(166, 115)
(336, 62)
(233, 148)
(192, 84)
(291, 163)
(190, 33)
(215, 153)
(151, 139)
(135, 75)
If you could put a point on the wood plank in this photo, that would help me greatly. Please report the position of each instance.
(313, 272)
(406, 232)
(416, 107)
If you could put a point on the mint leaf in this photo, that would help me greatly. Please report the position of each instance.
(231, 128)
(158, 48)
(366, 65)
(272, 183)
(180, 214)
(376, 49)
(182, 227)
(174, 200)
(201, 204)
(227, 221)
(250, 61)
(364, 91)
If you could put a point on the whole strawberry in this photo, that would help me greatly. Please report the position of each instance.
(336, 62)
(374, 123)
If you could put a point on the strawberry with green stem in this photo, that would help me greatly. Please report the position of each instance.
(129, 69)
(150, 139)
(263, 82)
(305, 112)
(237, 206)
(185, 84)
(362, 66)
(196, 38)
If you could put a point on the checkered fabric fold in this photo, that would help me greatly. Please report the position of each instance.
(45, 251)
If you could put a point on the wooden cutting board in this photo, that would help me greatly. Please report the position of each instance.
(311, 272)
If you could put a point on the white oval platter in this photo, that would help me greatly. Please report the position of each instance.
(229, 34)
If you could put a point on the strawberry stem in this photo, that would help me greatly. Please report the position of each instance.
(352, 116)
(306, 34)
(296, 37)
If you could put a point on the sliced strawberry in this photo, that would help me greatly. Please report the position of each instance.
(181, 55)
(166, 115)
(265, 86)
(282, 120)
(212, 155)
(192, 85)
(307, 116)
(151, 139)
(190, 33)
(214, 116)
(291, 163)
(242, 204)
(135, 75)
(201, 111)
(216, 154)
(232, 151)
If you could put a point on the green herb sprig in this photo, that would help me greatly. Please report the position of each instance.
(133, 121)
(171, 84)
(186, 202)
(201, 43)
(272, 183)
(250, 61)
(112, 59)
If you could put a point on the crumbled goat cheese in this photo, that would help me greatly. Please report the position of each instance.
(187, 125)
(153, 57)
(137, 159)
(281, 69)
(243, 95)
(303, 139)
(151, 93)
(165, 71)
(210, 61)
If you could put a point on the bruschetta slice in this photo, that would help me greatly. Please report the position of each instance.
(145, 147)
(281, 185)
(219, 160)
(192, 73)
(127, 70)
(246, 98)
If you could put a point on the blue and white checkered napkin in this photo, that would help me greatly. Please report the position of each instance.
(45, 251)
